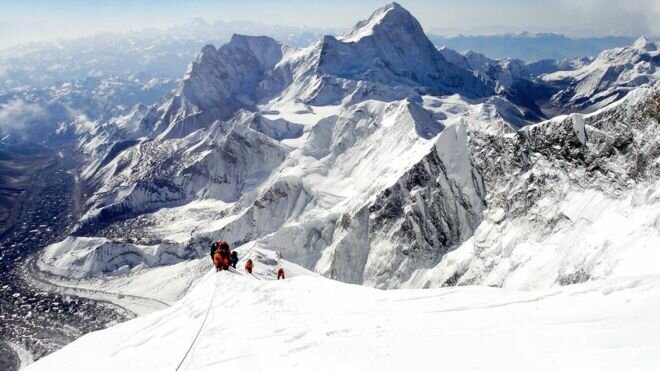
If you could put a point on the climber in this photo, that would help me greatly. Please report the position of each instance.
(217, 260)
(280, 273)
(249, 265)
(234, 259)
(214, 248)
(225, 254)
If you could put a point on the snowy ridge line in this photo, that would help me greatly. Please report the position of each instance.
(206, 316)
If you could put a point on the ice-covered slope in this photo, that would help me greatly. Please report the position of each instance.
(608, 77)
(236, 321)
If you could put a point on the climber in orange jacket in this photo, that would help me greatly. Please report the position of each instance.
(249, 265)
(217, 260)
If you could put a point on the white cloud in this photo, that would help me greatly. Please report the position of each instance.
(18, 114)
(634, 18)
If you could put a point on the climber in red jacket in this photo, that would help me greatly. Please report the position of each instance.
(249, 265)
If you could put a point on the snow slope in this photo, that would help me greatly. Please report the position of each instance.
(307, 322)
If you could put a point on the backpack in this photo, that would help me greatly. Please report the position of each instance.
(214, 247)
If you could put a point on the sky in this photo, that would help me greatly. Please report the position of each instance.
(35, 20)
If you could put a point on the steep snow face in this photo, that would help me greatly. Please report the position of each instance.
(345, 161)
(435, 205)
(234, 321)
(384, 17)
(609, 77)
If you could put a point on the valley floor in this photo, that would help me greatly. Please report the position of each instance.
(311, 323)
(33, 320)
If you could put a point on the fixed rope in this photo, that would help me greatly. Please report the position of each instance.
(206, 316)
(234, 270)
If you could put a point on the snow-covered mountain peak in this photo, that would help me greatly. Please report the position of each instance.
(217, 84)
(391, 16)
(642, 50)
(644, 44)
(208, 51)
(391, 48)
(265, 49)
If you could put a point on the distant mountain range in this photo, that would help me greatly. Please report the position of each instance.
(166, 53)
(532, 46)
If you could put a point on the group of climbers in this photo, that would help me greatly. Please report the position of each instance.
(223, 258)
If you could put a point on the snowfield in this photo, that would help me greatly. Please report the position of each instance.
(312, 323)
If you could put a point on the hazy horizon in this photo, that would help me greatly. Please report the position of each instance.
(41, 20)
